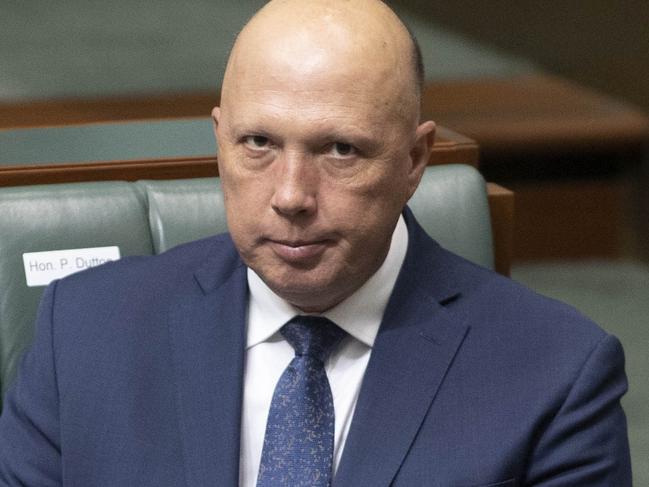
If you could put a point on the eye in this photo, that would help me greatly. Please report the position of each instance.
(256, 142)
(342, 149)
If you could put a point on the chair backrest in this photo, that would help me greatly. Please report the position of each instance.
(53, 218)
(149, 217)
(182, 210)
(451, 205)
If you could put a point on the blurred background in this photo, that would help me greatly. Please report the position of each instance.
(555, 93)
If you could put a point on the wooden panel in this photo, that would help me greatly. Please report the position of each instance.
(47, 113)
(109, 171)
(534, 113)
(454, 148)
(570, 219)
(501, 207)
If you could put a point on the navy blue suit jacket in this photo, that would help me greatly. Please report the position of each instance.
(135, 379)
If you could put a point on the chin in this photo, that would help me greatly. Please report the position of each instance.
(305, 292)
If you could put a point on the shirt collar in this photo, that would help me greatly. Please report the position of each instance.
(359, 315)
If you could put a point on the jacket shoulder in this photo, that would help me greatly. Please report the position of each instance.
(168, 267)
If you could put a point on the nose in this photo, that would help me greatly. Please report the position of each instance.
(295, 185)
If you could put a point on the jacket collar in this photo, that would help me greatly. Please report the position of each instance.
(207, 328)
(416, 344)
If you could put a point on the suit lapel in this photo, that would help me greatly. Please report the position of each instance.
(414, 348)
(207, 329)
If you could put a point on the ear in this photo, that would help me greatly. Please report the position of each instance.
(216, 115)
(420, 154)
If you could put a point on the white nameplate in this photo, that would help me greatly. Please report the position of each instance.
(41, 268)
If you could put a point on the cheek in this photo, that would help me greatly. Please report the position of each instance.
(377, 193)
(363, 217)
(382, 178)
(244, 192)
(244, 208)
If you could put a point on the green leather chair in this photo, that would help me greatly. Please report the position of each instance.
(57, 217)
(182, 210)
(150, 217)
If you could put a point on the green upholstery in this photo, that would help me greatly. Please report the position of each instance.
(56, 217)
(183, 210)
(152, 216)
(451, 205)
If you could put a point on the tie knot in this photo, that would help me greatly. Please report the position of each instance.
(312, 335)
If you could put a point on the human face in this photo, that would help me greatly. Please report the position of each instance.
(314, 181)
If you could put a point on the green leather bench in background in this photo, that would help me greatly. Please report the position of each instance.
(55, 217)
(149, 217)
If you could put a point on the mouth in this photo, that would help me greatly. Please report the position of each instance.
(299, 251)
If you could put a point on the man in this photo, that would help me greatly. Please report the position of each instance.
(438, 372)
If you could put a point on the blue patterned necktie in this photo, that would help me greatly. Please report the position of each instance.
(299, 442)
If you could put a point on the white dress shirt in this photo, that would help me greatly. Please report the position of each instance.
(268, 354)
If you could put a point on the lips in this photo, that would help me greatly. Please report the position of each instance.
(298, 252)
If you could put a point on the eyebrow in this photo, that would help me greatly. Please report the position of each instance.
(331, 133)
(351, 137)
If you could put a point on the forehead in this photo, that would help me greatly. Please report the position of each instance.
(309, 111)
(300, 61)
(319, 90)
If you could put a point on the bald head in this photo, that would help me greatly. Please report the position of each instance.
(361, 42)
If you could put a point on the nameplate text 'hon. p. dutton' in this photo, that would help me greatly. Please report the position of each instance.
(41, 268)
